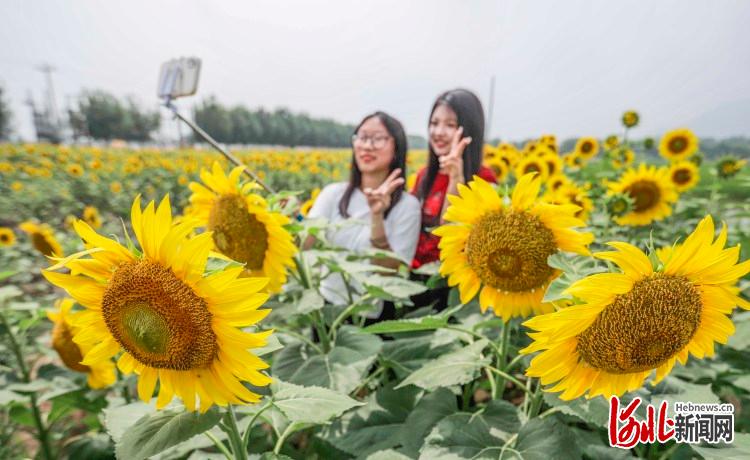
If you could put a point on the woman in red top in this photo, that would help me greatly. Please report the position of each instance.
(456, 139)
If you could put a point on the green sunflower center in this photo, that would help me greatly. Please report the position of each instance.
(645, 195)
(509, 250)
(678, 144)
(643, 328)
(158, 318)
(237, 233)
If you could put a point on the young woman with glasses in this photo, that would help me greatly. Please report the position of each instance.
(382, 215)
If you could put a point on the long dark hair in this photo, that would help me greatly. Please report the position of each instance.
(396, 130)
(470, 115)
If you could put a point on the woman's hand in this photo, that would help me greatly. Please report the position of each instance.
(452, 164)
(379, 199)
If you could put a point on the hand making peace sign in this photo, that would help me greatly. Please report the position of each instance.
(379, 199)
(453, 163)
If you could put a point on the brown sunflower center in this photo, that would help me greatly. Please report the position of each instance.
(645, 195)
(682, 176)
(678, 144)
(509, 250)
(41, 244)
(587, 147)
(70, 354)
(551, 167)
(531, 167)
(237, 233)
(4, 237)
(640, 330)
(158, 318)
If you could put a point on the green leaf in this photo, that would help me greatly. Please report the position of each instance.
(310, 302)
(407, 354)
(154, 433)
(272, 344)
(539, 438)
(429, 411)
(739, 449)
(391, 288)
(454, 368)
(310, 404)
(375, 426)
(91, 447)
(477, 436)
(6, 274)
(388, 454)
(425, 323)
(341, 369)
(120, 418)
(594, 411)
(8, 292)
(7, 397)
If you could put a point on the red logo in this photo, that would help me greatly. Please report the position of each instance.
(625, 431)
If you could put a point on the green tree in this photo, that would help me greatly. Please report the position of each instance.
(5, 115)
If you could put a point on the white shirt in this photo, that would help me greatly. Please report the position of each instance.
(401, 229)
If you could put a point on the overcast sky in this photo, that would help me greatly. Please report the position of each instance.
(563, 67)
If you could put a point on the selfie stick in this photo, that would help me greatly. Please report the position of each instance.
(166, 85)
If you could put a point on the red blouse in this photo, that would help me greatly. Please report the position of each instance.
(427, 247)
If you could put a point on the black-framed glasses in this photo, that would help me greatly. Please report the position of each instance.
(378, 141)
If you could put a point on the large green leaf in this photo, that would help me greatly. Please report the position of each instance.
(118, 419)
(539, 438)
(341, 369)
(377, 425)
(310, 301)
(432, 408)
(156, 432)
(425, 323)
(477, 436)
(407, 353)
(310, 404)
(738, 450)
(391, 288)
(594, 411)
(454, 368)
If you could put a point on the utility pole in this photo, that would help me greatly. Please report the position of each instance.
(47, 122)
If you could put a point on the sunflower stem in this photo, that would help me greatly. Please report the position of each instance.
(319, 325)
(280, 442)
(491, 379)
(536, 401)
(219, 445)
(235, 438)
(510, 378)
(42, 433)
(246, 436)
(500, 362)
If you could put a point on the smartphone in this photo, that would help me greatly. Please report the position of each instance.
(179, 77)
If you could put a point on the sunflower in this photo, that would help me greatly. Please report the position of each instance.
(91, 216)
(652, 193)
(622, 157)
(729, 166)
(411, 181)
(115, 187)
(501, 251)
(101, 374)
(172, 323)
(640, 320)
(554, 163)
(42, 238)
(678, 144)
(16, 186)
(305, 208)
(243, 227)
(489, 152)
(75, 170)
(499, 168)
(555, 182)
(684, 175)
(7, 237)
(532, 164)
(630, 118)
(587, 147)
(570, 193)
(611, 142)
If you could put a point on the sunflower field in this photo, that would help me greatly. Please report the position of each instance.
(156, 303)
